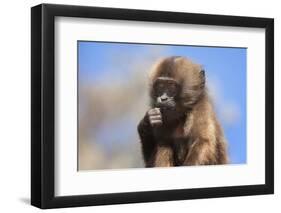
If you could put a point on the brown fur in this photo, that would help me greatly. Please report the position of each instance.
(196, 137)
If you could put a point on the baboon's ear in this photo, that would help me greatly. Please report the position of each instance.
(202, 74)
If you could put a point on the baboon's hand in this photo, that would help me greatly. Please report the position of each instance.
(155, 117)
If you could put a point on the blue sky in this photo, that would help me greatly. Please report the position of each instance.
(225, 72)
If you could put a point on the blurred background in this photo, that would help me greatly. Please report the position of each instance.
(113, 98)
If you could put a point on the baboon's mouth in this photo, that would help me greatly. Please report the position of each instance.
(166, 105)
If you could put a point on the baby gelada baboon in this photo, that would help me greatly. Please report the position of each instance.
(180, 128)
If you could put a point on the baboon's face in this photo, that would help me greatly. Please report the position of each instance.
(177, 84)
(165, 93)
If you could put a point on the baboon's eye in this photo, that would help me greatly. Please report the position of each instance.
(172, 87)
(159, 87)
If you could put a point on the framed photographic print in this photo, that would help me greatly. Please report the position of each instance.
(139, 106)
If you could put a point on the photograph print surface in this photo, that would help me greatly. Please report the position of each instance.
(157, 105)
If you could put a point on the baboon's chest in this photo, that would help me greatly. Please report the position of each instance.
(178, 132)
(177, 140)
(168, 135)
(180, 151)
(180, 144)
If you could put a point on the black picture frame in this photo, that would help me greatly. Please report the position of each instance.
(43, 102)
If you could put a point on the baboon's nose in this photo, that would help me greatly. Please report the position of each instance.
(164, 97)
